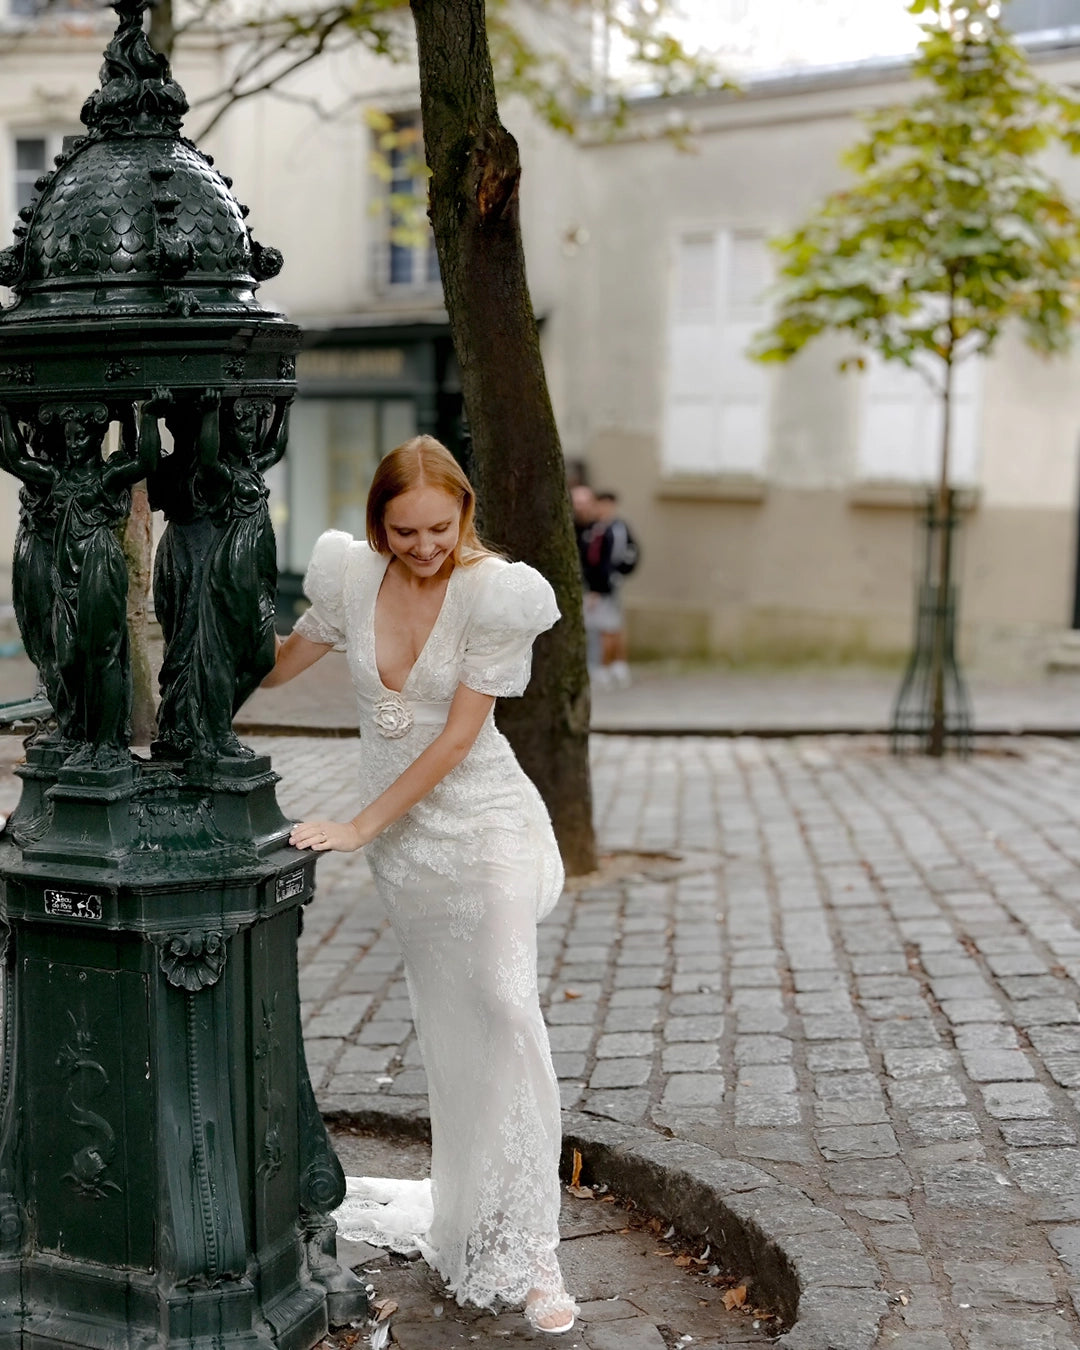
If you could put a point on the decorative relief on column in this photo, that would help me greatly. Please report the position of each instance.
(87, 1083)
(271, 1099)
(193, 960)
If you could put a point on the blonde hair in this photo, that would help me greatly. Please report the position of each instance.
(424, 462)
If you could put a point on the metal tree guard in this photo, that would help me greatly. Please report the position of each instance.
(165, 1178)
(932, 710)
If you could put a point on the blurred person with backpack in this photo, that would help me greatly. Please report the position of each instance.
(610, 554)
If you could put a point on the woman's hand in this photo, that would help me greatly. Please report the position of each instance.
(323, 835)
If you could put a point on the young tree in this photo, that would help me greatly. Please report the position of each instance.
(951, 229)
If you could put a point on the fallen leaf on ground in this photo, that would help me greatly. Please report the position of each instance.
(571, 993)
(735, 1298)
(575, 1175)
(582, 1192)
(384, 1307)
(683, 1260)
(664, 1251)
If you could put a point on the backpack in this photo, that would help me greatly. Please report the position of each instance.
(625, 551)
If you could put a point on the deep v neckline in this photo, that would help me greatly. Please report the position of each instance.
(427, 641)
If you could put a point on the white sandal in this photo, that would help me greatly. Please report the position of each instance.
(548, 1306)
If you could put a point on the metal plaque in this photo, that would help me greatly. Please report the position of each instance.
(72, 905)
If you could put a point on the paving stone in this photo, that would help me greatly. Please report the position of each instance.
(571, 1037)
(959, 1010)
(694, 1089)
(758, 1109)
(909, 1093)
(850, 1111)
(683, 1005)
(1032, 1012)
(644, 977)
(767, 1078)
(699, 1028)
(631, 1019)
(1046, 1171)
(857, 1141)
(842, 1319)
(989, 1066)
(985, 1036)
(750, 1021)
(1066, 1242)
(986, 1284)
(762, 1049)
(917, 1062)
(968, 1186)
(961, 986)
(1036, 1133)
(1007, 1331)
(636, 998)
(1064, 1069)
(886, 986)
(1017, 1101)
(835, 1056)
(690, 1057)
(895, 1237)
(621, 1073)
(624, 1043)
(568, 1063)
(844, 1086)
(383, 1033)
(831, 1027)
(1055, 1040)
(627, 1105)
(580, 1011)
(905, 1035)
(880, 1178)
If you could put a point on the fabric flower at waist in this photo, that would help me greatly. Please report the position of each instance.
(392, 716)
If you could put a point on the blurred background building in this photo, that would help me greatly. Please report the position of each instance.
(777, 508)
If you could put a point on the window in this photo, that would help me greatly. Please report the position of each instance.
(22, 10)
(716, 418)
(343, 440)
(32, 158)
(406, 259)
(900, 424)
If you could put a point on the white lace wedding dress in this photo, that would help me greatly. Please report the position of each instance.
(465, 877)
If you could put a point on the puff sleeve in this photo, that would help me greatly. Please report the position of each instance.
(324, 585)
(514, 605)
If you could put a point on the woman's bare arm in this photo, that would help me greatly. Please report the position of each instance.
(467, 715)
(294, 654)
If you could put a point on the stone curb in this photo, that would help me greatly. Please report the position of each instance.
(806, 1262)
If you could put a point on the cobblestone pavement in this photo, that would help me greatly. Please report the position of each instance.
(859, 973)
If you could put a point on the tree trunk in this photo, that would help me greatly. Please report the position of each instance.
(518, 464)
(137, 545)
(162, 33)
(943, 522)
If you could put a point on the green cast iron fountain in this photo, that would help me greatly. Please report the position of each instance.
(165, 1178)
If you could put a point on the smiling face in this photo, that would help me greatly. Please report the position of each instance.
(422, 527)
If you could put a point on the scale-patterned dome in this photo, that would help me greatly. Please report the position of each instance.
(133, 217)
(137, 209)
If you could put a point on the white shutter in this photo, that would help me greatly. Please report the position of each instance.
(900, 424)
(716, 406)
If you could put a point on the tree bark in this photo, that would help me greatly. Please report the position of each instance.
(517, 458)
(162, 33)
(137, 544)
(943, 512)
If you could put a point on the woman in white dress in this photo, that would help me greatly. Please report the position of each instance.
(435, 627)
